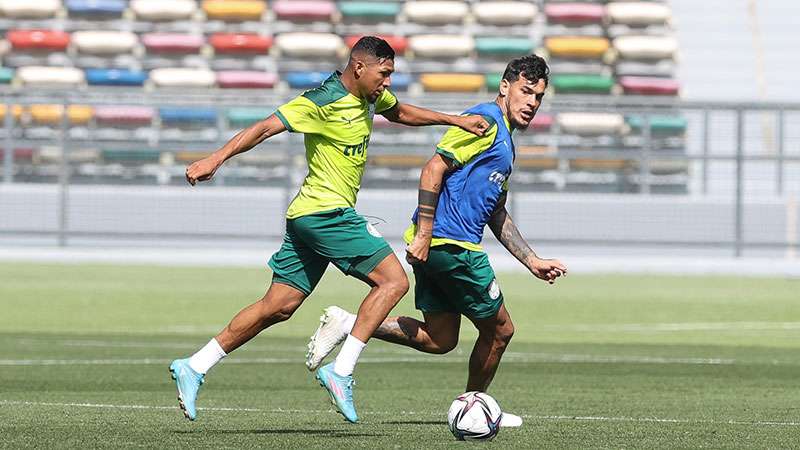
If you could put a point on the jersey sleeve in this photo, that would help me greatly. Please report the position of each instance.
(301, 115)
(461, 146)
(385, 102)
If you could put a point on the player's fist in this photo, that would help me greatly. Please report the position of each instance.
(476, 125)
(548, 269)
(201, 170)
(417, 251)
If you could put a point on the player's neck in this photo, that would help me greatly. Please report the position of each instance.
(499, 101)
(349, 83)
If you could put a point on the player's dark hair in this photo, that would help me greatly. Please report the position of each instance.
(532, 67)
(373, 46)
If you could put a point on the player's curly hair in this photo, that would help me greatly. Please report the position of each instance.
(373, 46)
(532, 67)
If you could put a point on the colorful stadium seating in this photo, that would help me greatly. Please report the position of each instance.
(38, 40)
(173, 43)
(432, 12)
(244, 117)
(124, 115)
(96, 9)
(577, 47)
(304, 10)
(234, 10)
(6, 75)
(649, 86)
(240, 43)
(104, 42)
(161, 10)
(638, 13)
(115, 77)
(441, 45)
(29, 9)
(575, 13)
(309, 45)
(246, 79)
(581, 83)
(659, 125)
(504, 47)
(369, 11)
(452, 82)
(590, 123)
(398, 43)
(172, 115)
(183, 77)
(646, 47)
(305, 80)
(52, 114)
(50, 76)
(504, 13)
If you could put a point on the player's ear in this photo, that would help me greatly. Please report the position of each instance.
(359, 68)
(504, 87)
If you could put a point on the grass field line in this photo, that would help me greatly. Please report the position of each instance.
(675, 327)
(404, 413)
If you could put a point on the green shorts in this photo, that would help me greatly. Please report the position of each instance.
(454, 279)
(340, 236)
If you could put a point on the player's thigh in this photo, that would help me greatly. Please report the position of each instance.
(443, 327)
(429, 297)
(297, 265)
(498, 325)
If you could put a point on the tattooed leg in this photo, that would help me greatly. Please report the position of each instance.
(437, 334)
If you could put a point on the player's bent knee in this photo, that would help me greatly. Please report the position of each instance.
(504, 333)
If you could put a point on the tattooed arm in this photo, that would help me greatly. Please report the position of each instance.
(430, 183)
(508, 234)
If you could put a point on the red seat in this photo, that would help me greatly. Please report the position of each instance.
(542, 121)
(398, 43)
(240, 43)
(575, 13)
(124, 115)
(38, 40)
(172, 43)
(649, 86)
(304, 9)
(246, 79)
(20, 154)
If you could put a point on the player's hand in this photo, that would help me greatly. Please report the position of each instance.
(417, 251)
(548, 269)
(475, 124)
(201, 170)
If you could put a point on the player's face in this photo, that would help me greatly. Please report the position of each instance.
(523, 98)
(376, 76)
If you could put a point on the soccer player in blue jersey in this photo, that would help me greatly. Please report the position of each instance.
(462, 189)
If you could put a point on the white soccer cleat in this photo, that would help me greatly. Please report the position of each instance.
(330, 333)
(509, 420)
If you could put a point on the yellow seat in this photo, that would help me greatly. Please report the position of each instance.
(452, 82)
(16, 109)
(577, 47)
(234, 10)
(51, 114)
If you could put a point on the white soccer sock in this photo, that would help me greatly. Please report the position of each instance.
(349, 323)
(206, 357)
(348, 355)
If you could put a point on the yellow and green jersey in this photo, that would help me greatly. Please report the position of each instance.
(337, 127)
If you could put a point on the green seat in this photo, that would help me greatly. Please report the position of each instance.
(131, 156)
(6, 75)
(372, 10)
(582, 83)
(504, 46)
(493, 81)
(659, 125)
(244, 117)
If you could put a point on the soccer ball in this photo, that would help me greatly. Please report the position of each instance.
(474, 416)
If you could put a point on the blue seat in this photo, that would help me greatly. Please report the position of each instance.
(171, 115)
(115, 77)
(97, 7)
(306, 80)
(400, 81)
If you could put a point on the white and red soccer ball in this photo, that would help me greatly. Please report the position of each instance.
(474, 416)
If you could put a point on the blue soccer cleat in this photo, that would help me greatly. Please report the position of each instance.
(188, 382)
(340, 389)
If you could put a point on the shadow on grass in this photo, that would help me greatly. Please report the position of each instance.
(416, 422)
(304, 432)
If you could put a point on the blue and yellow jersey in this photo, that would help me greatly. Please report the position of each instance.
(471, 192)
(337, 127)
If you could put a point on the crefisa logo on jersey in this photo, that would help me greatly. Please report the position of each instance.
(497, 178)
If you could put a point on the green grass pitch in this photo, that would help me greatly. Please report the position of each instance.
(597, 362)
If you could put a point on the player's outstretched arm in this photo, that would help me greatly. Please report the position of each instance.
(430, 183)
(246, 139)
(508, 234)
(415, 116)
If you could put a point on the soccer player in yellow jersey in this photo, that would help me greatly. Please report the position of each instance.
(321, 225)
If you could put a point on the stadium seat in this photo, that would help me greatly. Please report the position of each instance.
(575, 13)
(398, 43)
(234, 10)
(304, 10)
(649, 86)
(309, 45)
(36, 40)
(371, 11)
(582, 83)
(115, 77)
(104, 42)
(123, 115)
(398, 161)
(6, 75)
(493, 81)
(53, 155)
(441, 45)
(400, 81)
(190, 157)
(246, 79)
(646, 47)
(591, 123)
(536, 164)
(160, 10)
(542, 122)
(577, 47)
(599, 165)
(503, 46)
(96, 9)
(117, 156)
(503, 13)
(21, 155)
(659, 125)
(52, 114)
(183, 77)
(638, 13)
(193, 115)
(244, 117)
(431, 12)
(16, 109)
(173, 43)
(29, 9)
(451, 82)
(305, 80)
(240, 43)
(666, 166)
(50, 76)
